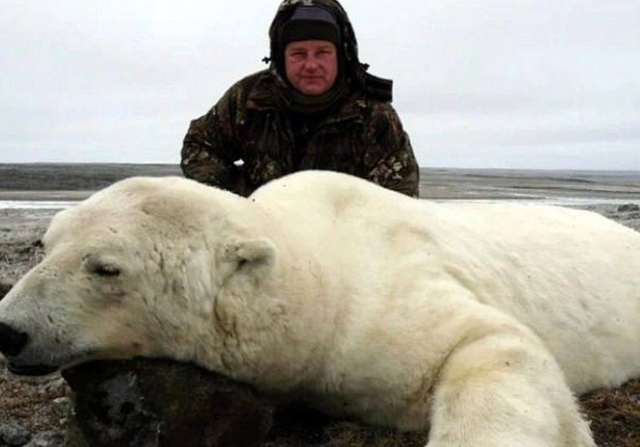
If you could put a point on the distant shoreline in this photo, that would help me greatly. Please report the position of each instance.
(68, 181)
(176, 167)
(35, 195)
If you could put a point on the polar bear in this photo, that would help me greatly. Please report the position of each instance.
(477, 321)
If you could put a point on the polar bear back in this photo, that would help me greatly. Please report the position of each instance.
(572, 276)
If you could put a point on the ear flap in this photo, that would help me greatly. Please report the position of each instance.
(253, 256)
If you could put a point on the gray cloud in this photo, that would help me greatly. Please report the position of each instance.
(532, 83)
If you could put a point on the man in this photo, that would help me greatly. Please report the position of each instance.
(315, 107)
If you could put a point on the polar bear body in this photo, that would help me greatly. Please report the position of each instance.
(570, 275)
(475, 320)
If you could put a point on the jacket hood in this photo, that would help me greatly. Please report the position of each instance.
(354, 69)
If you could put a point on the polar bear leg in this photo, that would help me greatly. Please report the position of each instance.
(505, 390)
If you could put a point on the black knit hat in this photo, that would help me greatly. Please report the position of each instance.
(310, 23)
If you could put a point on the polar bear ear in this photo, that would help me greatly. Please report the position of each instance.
(253, 256)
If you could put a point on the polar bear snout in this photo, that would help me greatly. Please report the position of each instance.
(12, 341)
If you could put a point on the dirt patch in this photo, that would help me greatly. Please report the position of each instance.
(30, 403)
(16, 258)
(614, 415)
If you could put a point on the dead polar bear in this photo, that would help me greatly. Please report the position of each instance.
(475, 320)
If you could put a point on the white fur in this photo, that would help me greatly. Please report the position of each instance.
(474, 320)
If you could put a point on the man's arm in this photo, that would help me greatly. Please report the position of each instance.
(391, 162)
(210, 148)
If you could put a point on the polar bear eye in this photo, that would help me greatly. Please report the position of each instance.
(104, 266)
(105, 270)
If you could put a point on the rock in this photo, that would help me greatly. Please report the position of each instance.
(55, 385)
(158, 403)
(62, 407)
(4, 289)
(629, 207)
(13, 435)
(47, 439)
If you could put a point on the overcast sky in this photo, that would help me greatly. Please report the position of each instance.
(478, 83)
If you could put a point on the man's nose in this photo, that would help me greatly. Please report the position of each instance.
(11, 340)
(311, 64)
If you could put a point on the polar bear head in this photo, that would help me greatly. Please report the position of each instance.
(139, 269)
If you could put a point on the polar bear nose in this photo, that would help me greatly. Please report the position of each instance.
(11, 341)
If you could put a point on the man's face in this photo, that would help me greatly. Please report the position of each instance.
(312, 66)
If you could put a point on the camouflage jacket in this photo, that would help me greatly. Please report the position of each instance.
(248, 138)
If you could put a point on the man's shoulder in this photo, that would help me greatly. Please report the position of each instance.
(246, 84)
(254, 78)
(379, 104)
(257, 90)
(359, 103)
(383, 108)
(262, 91)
